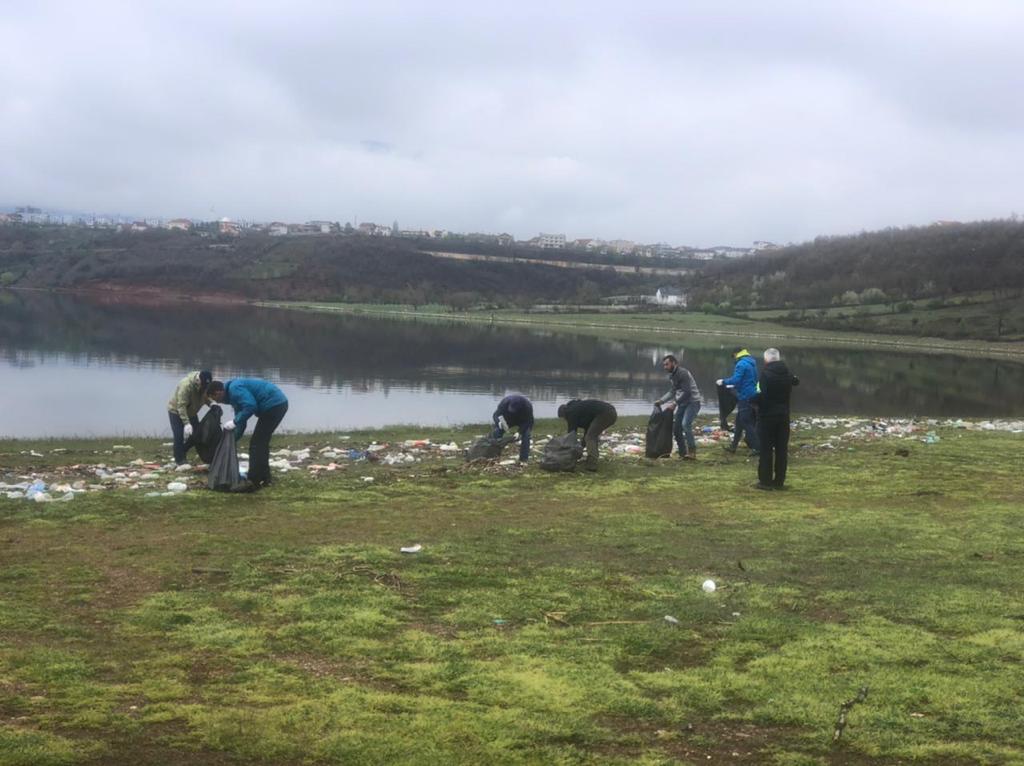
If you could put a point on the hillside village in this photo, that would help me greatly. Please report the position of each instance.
(28, 215)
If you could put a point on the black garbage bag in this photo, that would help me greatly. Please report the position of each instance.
(207, 436)
(488, 447)
(224, 469)
(726, 404)
(561, 453)
(659, 434)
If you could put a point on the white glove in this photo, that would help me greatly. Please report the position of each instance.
(719, 381)
(228, 425)
(502, 423)
(188, 430)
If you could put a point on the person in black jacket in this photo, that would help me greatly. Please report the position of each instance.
(773, 420)
(592, 415)
(515, 411)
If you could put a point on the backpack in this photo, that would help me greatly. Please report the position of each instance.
(561, 453)
(207, 436)
(488, 447)
(659, 434)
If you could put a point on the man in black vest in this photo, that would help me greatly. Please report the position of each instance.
(773, 420)
(592, 415)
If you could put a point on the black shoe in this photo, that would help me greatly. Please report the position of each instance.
(759, 485)
(780, 486)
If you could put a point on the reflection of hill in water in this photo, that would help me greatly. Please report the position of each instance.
(377, 355)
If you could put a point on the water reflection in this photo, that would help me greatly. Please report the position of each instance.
(108, 367)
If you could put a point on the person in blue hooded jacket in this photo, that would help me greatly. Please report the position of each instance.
(744, 382)
(248, 397)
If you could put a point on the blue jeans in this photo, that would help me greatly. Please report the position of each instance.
(181, 447)
(525, 432)
(745, 426)
(682, 426)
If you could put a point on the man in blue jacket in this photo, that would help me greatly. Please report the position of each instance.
(248, 397)
(744, 382)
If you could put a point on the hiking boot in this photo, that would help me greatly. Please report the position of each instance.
(689, 456)
(729, 448)
(759, 485)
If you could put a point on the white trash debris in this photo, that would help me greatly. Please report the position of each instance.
(368, 479)
(412, 548)
(183, 468)
(177, 487)
(671, 620)
(708, 586)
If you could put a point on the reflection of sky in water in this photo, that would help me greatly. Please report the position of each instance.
(70, 365)
(64, 397)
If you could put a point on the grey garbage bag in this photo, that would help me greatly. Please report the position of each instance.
(488, 447)
(561, 453)
(223, 475)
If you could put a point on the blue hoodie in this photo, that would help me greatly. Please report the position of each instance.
(744, 378)
(251, 396)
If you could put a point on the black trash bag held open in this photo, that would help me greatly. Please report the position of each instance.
(207, 436)
(561, 453)
(726, 404)
(659, 434)
(488, 447)
(223, 475)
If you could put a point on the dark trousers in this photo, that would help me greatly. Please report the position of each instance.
(774, 434)
(602, 420)
(745, 426)
(525, 434)
(682, 428)
(181, 445)
(259, 445)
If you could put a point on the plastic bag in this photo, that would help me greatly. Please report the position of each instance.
(224, 476)
(488, 447)
(561, 453)
(659, 434)
(208, 436)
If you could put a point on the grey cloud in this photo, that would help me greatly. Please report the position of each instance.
(684, 122)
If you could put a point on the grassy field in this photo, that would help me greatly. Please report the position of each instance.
(285, 627)
(972, 316)
(697, 327)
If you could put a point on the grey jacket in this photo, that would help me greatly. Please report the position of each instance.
(684, 388)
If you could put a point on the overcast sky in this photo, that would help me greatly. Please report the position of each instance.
(685, 122)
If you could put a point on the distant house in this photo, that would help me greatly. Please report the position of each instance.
(552, 241)
(278, 229)
(667, 296)
(180, 224)
(622, 245)
(324, 227)
(581, 244)
(138, 226)
(506, 240)
(414, 234)
(230, 228)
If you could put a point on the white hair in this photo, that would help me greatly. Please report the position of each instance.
(772, 355)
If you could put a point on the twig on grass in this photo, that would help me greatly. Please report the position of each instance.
(844, 710)
(558, 617)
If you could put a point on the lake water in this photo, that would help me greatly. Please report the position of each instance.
(73, 365)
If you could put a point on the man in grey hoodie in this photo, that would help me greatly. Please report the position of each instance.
(684, 399)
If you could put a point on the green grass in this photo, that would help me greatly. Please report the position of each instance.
(709, 329)
(285, 627)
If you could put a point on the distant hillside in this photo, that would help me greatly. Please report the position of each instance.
(351, 268)
(884, 266)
